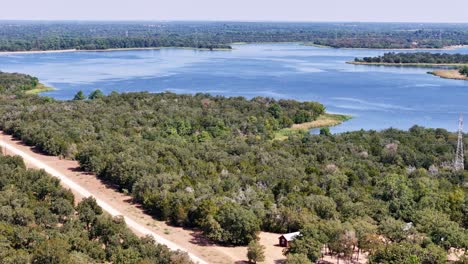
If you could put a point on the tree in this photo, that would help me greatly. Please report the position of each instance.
(408, 253)
(302, 116)
(464, 70)
(255, 252)
(366, 233)
(239, 225)
(298, 259)
(52, 251)
(96, 95)
(393, 229)
(79, 96)
(62, 208)
(275, 110)
(325, 131)
(308, 243)
(88, 211)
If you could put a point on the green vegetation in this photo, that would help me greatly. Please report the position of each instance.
(464, 71)
(255, 252)
(416, 58)
(30, 36)
(18, 83)
(209, 162)
(40, 224)
(15, 82)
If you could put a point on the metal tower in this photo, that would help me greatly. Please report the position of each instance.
(459, 159)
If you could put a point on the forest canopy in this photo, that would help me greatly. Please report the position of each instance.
(39, 223)
(16, 82)
(210, 162)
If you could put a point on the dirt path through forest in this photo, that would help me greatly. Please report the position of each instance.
(85, 184)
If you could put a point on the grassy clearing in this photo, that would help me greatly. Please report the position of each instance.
(40, 88)
(449, 74)
(325, 120)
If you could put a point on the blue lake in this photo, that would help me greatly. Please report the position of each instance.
(377, 97)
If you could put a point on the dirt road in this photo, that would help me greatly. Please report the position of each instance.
(85, 184)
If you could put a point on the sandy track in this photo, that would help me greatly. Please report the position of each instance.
(12, 148)
(84, 184)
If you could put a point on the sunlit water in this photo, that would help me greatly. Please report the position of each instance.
(377, 97)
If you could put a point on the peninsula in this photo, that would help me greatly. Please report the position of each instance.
(450, 66)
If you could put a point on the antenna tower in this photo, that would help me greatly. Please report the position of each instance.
(459, 159)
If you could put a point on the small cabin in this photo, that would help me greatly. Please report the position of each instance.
(286, 238)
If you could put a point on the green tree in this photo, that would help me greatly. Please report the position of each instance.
(275, 110)
(255, 252)
(308, 243)
(408, 253)
(325, 131)
(464, 70)
(302, 116)
(52, 251)
(298, 259)
(239, 225)
(88, 211)
(96, 94)
(79, 96)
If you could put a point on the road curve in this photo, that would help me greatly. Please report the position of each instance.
(105, 206)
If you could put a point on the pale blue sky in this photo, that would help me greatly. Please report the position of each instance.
(250, 10)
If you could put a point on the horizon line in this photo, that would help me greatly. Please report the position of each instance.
(227, 20)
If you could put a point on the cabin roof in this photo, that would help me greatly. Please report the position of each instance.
(290, 236)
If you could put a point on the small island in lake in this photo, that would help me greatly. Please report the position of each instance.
(455, 66)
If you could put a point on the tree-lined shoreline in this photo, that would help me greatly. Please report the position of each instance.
(30, 36)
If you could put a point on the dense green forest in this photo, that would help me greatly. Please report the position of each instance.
(210, 162)
(15, 82)
(40, 224)
(24, 35)
(417, 57)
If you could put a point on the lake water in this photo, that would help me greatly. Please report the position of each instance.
(377, 97)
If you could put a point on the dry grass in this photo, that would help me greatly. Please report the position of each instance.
(449, 74)
(39, 89)
(325, 120)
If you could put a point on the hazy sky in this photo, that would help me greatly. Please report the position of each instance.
(272, 10)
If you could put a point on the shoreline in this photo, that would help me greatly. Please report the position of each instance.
(309, 44)
(324, 120)
(423, 65)
(40, 88)
(105, 50)
(449, 74)
(453, 47)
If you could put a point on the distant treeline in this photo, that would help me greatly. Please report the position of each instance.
(21, 36)
(417, 57)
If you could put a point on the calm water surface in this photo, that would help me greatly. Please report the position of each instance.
(378, 97)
